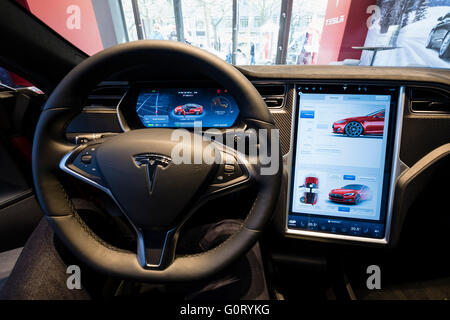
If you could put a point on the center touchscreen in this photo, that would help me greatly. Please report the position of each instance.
(339, 168)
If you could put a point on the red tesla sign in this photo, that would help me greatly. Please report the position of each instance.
(73, 19)
(341, 33)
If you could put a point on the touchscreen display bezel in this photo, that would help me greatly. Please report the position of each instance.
(391, 159)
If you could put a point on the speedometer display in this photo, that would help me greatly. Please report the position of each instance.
(186, 107)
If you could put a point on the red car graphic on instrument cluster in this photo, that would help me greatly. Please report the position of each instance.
(310, 197)
(189, 109)
(351, 194)
(373, 123)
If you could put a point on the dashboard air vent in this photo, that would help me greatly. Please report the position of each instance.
(273, 94)
(430, 100)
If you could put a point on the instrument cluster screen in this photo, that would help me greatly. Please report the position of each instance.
(186, 107)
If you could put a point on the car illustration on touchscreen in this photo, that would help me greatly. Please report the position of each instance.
(310, 197)
(351, 194)
(189, 109)
(371, 124)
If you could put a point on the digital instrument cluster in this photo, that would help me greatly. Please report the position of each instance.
(186, 107)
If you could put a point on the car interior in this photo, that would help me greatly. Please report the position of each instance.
(324, 173)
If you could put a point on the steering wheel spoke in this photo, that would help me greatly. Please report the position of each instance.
(81, 163)
(233, 174)
(156, 247)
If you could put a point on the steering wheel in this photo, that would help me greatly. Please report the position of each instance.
(135, 169)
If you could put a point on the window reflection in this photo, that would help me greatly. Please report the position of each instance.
(208, 25)
(306, 28)
(257, 41)
(158, 19)
(326, 32)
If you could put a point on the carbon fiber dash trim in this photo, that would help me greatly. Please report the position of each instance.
(283, 119)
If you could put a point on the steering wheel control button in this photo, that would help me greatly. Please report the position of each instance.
(85, 164)
(228, 169)
(86, 158)
(228, 174)
(81, 140)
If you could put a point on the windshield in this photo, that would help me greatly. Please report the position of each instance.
(412, 33)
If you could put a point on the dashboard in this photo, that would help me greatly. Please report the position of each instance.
(358, 144)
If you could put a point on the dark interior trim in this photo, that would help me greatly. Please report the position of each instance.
(346, 73)
(41, 55)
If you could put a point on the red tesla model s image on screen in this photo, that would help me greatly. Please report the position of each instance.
(310, 197)
(189, 109)
(373, 123)
(351, 194)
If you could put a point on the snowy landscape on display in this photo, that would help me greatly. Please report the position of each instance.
(406, 25)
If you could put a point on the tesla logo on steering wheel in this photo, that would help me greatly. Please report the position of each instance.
(152, 163)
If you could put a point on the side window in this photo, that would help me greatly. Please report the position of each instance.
(5, 78)
(20, 105)
(12, 80)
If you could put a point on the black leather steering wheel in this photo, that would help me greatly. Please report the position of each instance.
(124, 167)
